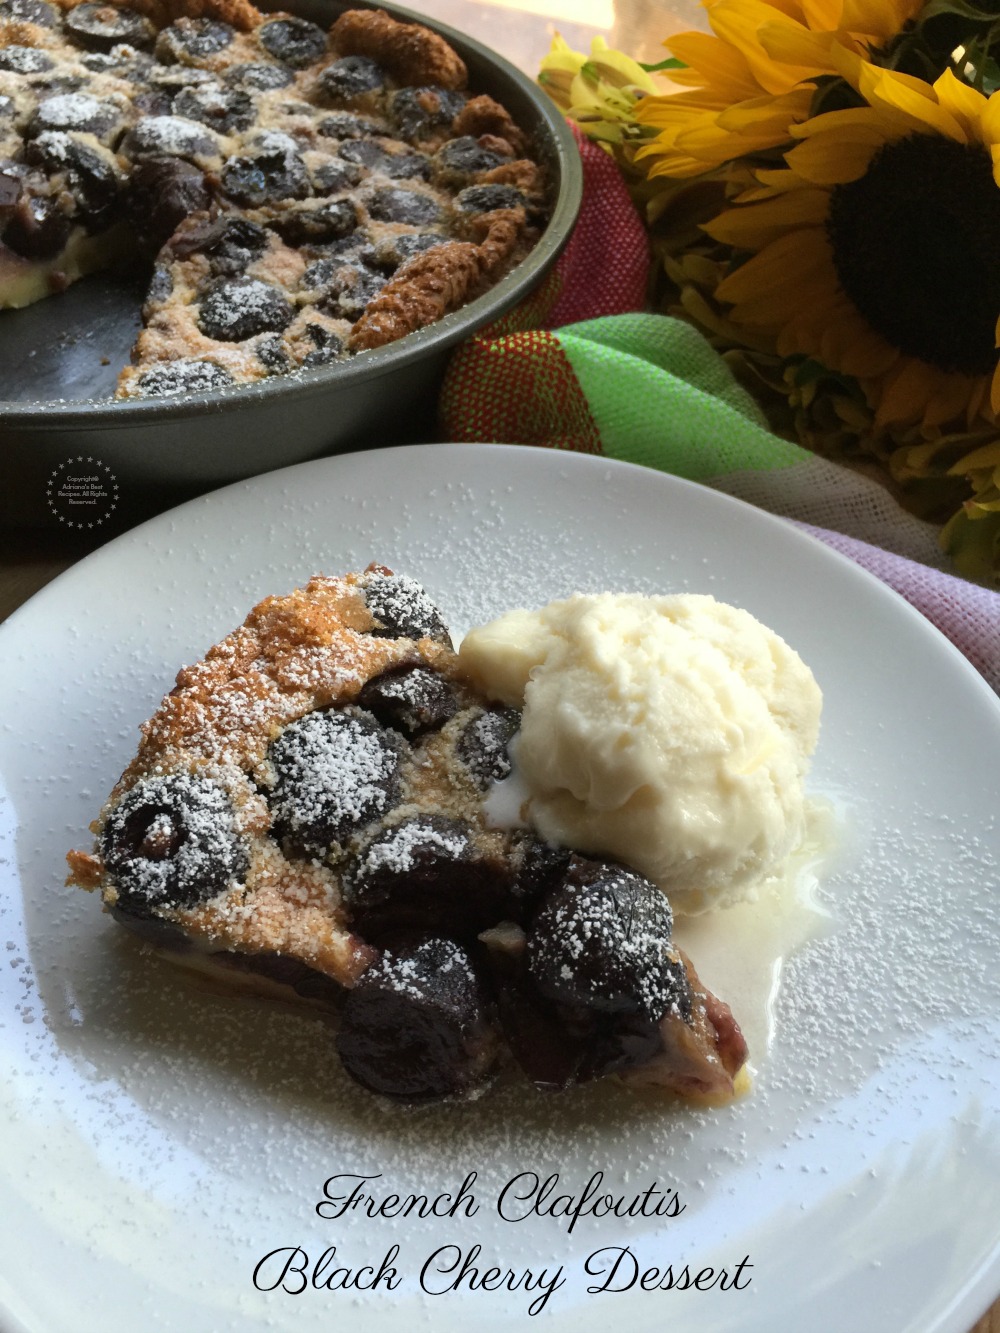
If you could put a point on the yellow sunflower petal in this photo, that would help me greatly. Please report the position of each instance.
(917, 460)
(964, 103)
(790, 44)
(906, 393)
(833, 159)
(986, 456)
(792, 9)
(787, 260)
(738, 22)
(768, 184)
(715, 63)
(803, 333)
(756, 225)
(779, 310)
(811, 292)
(881, 20)
(977, 407)
(911, 99)
(852, 347)
(671, 112)
(853, 119)
(949, 404)
(713, 143)
(990, 120)
(658, 161)
(779, 112)
(878, 75)
(823, 15)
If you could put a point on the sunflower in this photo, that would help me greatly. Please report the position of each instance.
(876, 250)
(967, 462)
(755, 76)
(823, 202)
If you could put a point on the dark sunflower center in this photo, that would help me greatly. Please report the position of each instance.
(916, 246)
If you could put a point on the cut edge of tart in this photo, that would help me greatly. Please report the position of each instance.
(306, 818)
(301, 195)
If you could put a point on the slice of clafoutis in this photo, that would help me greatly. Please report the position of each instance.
(305, 818)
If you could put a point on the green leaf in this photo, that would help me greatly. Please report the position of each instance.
(664, 64)
(974, 545)
(989, 76)
(833, 93)
(811, 371)
(910, 53)
(964, 9)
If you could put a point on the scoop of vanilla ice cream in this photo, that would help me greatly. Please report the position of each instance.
(671, 732)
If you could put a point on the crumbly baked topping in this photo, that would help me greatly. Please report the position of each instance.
(308, 806)
(303, 195)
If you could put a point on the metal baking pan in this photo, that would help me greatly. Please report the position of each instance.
(60, 358)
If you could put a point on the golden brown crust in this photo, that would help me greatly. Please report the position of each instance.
(239, 13)
(482, 115)
(523, 175)
(180, 349)
(290, 911)
(293, 654)
(435, 283)
(413, 54)
(494, 144)
(423, 290)
(85, 870)
(498, 233)
(14, 32)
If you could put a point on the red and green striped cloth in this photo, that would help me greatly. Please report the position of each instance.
(583, 365)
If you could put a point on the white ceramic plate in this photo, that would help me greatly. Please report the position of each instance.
(158, 1141)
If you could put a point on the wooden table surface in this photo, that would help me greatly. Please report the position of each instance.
(522, 31)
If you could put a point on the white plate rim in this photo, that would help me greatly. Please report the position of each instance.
(979, 1287)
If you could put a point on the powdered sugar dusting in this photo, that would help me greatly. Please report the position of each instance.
(436, 969)
(271, 141)
(335, 771)
(186, 375)
(57, 145)
(407, 688)
(172, 135)
(294, 654)
(134, 1106)
(329, 669)
(602, 941)
(402, 606)
(171, 841)
(71, 110)
(24, 59)
(396, 850)
(245, 300)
